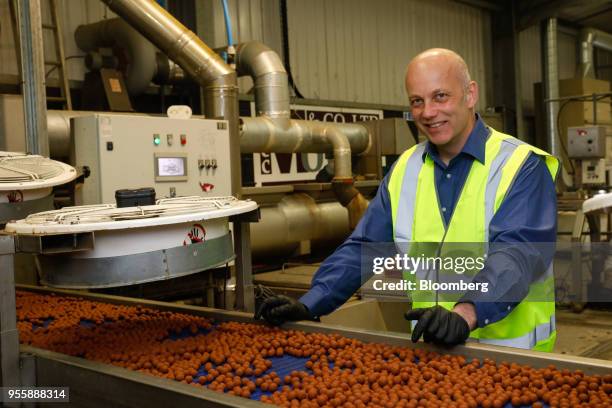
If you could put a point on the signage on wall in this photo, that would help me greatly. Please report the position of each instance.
(276, 168)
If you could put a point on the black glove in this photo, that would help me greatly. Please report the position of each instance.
(278, 309)
(438, 325)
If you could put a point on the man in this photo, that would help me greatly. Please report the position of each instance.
(489, 188)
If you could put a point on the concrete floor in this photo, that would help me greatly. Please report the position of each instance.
(586, 334)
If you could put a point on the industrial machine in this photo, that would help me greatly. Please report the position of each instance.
(173, 237)
(597, 212)
(26, 183)
(175, 156)
(92, 381)
(197, 223)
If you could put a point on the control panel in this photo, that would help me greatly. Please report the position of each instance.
(594, 171)
(586, 142)
(177, 157)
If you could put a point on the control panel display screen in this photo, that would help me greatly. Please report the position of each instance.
(171, 166)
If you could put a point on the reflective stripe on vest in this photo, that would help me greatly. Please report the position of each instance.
(405, 208)
(529, 340)
(487, 184)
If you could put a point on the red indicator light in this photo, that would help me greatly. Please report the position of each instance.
(183, 140)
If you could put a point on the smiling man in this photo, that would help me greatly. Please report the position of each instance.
(442, 99)
(468, 183)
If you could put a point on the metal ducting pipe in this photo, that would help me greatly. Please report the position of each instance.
(272, 131)
(169, 72)
(269, 78)
(261, 135)
(185, 48)
(114, 32)
(589, 39)
(298, 218)
(550, 70)
(58, 129)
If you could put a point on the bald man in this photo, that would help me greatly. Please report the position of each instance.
(461, 166)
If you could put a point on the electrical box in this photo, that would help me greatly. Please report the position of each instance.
(586, 142)
(177, 157)
(594, 171)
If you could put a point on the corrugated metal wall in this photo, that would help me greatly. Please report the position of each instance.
(348, 50)
(252, 20)
(531, 61)
(603, 59)
(357, 50)
(73, 14)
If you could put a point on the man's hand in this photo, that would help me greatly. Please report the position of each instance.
(278, 309)
(438, 325)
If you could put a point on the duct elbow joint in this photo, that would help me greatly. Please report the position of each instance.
(352, 199)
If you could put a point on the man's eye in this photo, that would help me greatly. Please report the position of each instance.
(441, 96)
(416, 102)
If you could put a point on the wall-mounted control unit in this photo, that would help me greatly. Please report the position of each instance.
(586, 142)
(594, 171)
(177, 157)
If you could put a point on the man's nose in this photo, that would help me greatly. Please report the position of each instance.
(429, 110)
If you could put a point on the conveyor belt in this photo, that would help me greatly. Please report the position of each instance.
(62, 370)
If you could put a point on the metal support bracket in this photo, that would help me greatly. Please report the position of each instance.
(245, 293)
(9, 336)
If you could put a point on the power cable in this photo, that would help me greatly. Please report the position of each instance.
(563, 105)
(53, 68)
(285, 40)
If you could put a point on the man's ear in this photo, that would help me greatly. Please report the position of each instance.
(471, 94)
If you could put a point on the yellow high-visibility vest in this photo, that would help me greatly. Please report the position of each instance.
(417, 219)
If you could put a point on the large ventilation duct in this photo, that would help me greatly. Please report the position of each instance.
(185, 48)
(589, 39)
(273, 131)
(298, 219)
(114, 32)
(269, 78)
(262, 135)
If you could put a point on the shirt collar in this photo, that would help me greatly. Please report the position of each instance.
(474, 146)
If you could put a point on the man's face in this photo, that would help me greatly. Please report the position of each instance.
(440, 103)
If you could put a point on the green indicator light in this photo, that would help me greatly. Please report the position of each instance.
(156, 140)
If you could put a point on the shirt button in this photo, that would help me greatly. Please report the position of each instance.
(509, 307)
(486, 321)
(448, 175)
(443, 209)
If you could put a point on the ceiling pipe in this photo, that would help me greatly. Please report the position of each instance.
(589, 39)
(217, 79)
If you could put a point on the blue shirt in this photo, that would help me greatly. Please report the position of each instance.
(527, 215)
